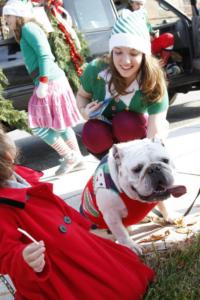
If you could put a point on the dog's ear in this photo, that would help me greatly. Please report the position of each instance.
(114, 161)
(117, 155)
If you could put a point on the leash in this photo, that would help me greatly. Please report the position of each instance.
(192, 204)
(156, 212)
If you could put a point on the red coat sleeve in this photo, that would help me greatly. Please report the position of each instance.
(11, 259)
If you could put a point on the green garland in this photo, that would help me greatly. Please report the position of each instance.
(61, 51)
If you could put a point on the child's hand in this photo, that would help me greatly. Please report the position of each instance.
(34, 256)
(162, 63)
(42, 90)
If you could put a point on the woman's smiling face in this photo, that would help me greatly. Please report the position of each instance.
(127, 61)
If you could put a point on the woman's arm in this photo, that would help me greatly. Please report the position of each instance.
(158, 126)
(37, 40)
(85, 103)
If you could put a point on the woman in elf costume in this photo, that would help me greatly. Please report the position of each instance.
(52, 109)
(133, 85)
(47, 248)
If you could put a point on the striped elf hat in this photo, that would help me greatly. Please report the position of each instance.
(130, 30)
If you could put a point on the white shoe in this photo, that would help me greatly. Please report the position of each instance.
(70, 163)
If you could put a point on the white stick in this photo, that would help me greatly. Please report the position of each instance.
(28, 235)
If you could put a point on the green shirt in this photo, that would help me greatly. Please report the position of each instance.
(37, 53)
(94, 81)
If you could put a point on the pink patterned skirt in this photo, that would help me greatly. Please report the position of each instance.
(58, 110)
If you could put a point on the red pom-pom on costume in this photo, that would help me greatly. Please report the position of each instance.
(128, 125)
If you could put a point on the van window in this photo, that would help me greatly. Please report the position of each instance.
(183, 5)
(90, 15)
(158, 15)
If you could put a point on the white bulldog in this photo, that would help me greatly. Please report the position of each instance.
(127, 184)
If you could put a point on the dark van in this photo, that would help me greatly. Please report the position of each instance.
(185, 26)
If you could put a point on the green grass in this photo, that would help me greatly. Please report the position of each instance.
(177, 274)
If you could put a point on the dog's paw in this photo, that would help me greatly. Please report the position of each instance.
(133, 246)
(137, 249)
(173, 217)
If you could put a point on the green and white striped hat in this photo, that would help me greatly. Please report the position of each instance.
(130, 30)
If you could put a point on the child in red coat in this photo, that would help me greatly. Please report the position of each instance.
(64, 260)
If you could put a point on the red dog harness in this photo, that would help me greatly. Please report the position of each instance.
(101, 179)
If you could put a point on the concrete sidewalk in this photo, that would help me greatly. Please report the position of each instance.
(184, 145)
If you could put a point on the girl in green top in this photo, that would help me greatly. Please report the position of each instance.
(52, 109)
(133, 85)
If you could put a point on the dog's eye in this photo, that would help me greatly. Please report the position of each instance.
(165, 160)
(137, 169)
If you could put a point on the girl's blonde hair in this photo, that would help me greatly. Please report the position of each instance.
(7, 146)
(152, 81)
(20, 22)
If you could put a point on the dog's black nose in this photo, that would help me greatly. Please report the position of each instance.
(154, 168)
(158, 180)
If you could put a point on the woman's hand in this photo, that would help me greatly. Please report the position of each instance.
(89, 108)
(85, 103)
(34, 256)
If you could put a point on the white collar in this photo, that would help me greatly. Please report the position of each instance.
(133, 87)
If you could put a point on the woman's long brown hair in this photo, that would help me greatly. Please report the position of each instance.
(152, 81)
(20, 22)
(6, 166)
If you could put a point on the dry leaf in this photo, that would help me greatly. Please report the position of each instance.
(156, 237)
(191, 223)
(183, 230)
(179, 222)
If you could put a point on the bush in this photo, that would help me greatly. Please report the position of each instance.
(8, 114)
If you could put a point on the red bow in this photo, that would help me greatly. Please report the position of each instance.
(54, 5)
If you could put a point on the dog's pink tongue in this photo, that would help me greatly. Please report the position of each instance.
(177, 190)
